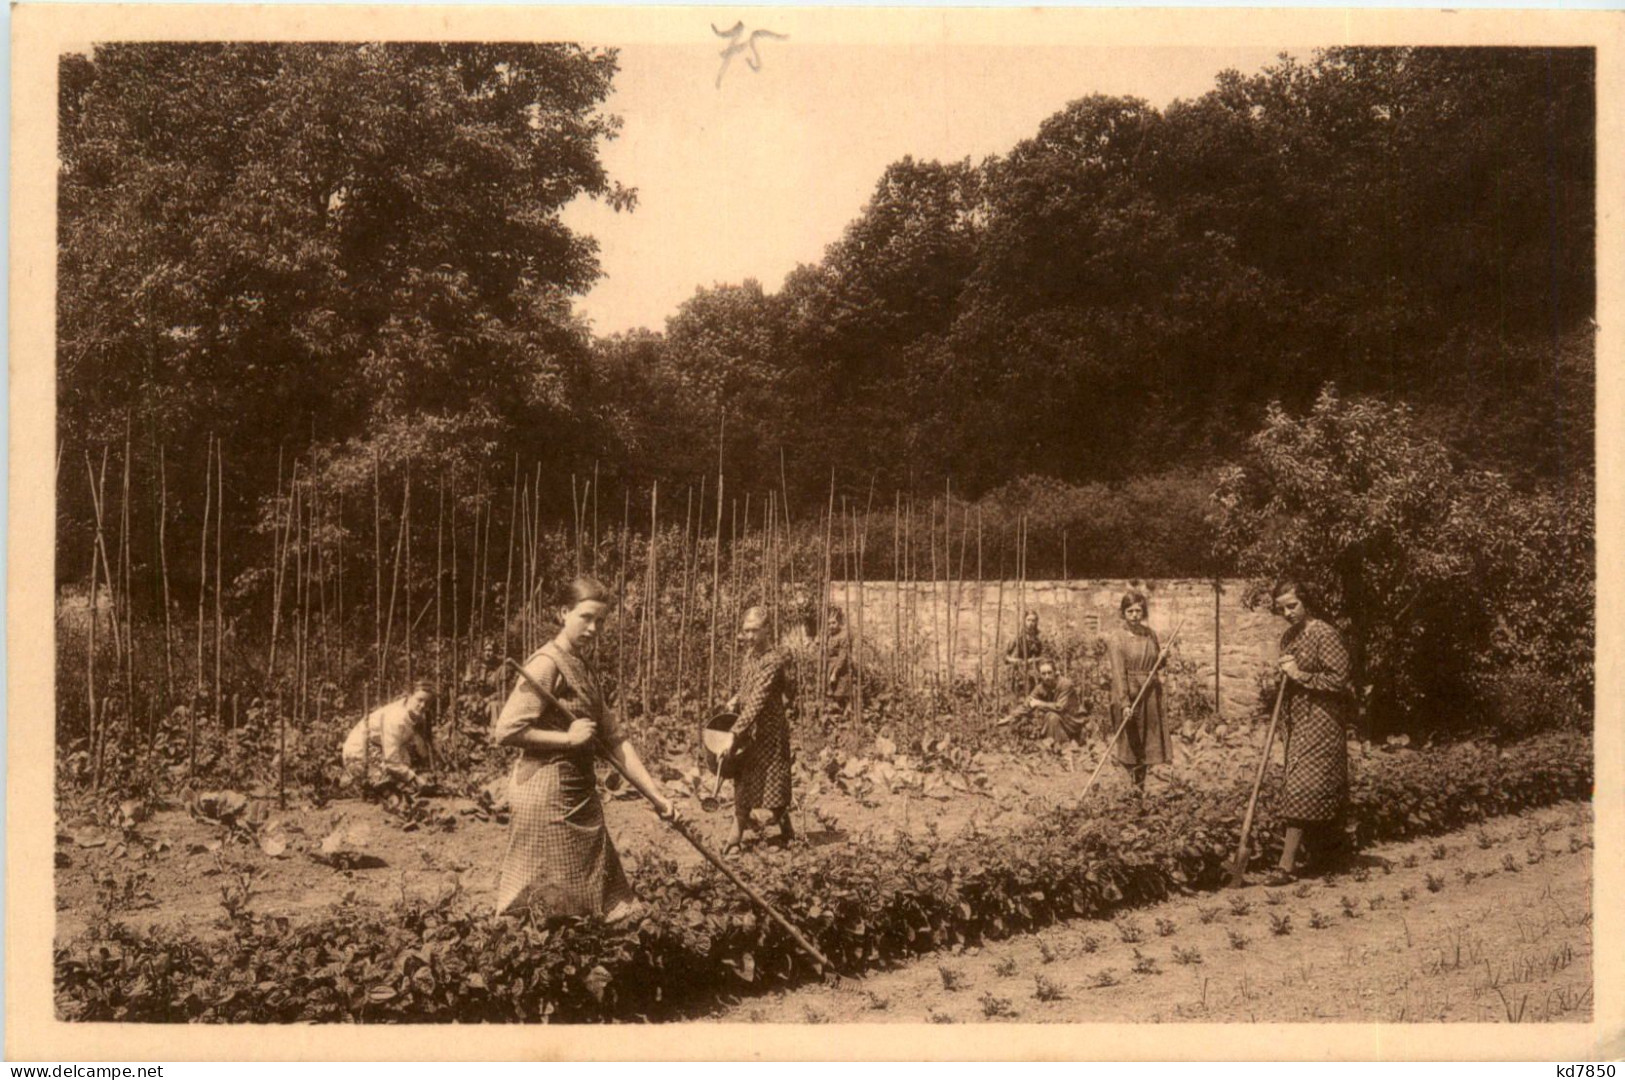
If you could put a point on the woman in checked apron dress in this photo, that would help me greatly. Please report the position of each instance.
(1314, 788)
(560, 860)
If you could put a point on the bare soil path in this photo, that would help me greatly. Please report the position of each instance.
(1488, 924)
(171, 869)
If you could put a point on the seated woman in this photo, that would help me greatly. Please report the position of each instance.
(1054, 704)
(389, 745)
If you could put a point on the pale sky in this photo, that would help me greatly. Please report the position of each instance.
(751, 179)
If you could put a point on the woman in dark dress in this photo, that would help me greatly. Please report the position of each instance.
(1314, 787)
(1132, 650)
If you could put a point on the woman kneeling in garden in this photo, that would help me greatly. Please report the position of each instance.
(1318, 694)
(388, 746)
(560, 860)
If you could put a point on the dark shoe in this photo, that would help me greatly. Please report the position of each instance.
(1278, 877)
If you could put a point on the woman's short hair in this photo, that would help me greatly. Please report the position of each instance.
(1132, 597)
(423, 686)
(1306, 593)
(581, 590)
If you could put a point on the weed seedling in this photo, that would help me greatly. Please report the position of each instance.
(1240, 905)
(1351, 907)
(1509, 863)
(1045, 989)
(1407, 892)
(1206, 915)
(1166, 927)
(993, 1007)
(1317, 921)
(1376, 903)
(939, 1018)
(1409, 862)
(1280, 923)
(1361, 874)
(1187, 956)
(1128, 930)
(1467, 876)
(951, 979)
(1089, 943)
(1576, 845)
(876, 1002)
(1145, 965)
(1484, 841)
(1238, 940)
(1535, 855)
(1046, 951)
(1435, 883)
(1302, 890)
(1104, 978)
(1274, 897)
(1439, 852)
(1005, 968)
(813, 1016)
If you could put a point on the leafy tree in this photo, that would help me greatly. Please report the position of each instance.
(328, 243)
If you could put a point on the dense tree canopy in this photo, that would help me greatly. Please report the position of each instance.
(313, 244)
(1126, 290)
(343, 248)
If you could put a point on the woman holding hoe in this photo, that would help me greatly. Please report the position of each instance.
(560, 860)
(1132, 650)
(1317, 695)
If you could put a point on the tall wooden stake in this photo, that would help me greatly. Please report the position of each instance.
(507, 581)
(219, 532)
(163, 562)
(716, 580)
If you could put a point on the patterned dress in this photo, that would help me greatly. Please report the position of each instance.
(560, 860)
(1144, 741)
(1314, 712)
(763, 779)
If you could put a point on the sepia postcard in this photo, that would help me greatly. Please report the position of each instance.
(803, 532)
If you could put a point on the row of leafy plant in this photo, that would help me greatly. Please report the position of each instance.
(864, 908)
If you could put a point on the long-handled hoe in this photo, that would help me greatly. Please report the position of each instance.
(686, 831)
(1238, 869)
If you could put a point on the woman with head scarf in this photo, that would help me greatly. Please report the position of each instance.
(1314, 710)
(1132, 651)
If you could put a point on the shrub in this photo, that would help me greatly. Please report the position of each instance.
(1455, 588)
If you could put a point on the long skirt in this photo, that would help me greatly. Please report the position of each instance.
(560, 860)
(1316, 779)
(763, 780)
(1145, 737)
(1060, 728)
